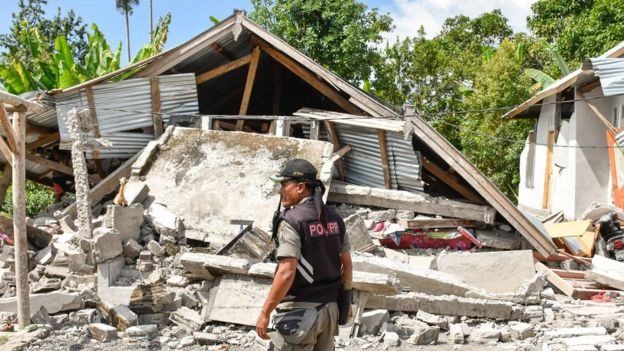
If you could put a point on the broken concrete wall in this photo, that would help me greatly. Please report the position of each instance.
(211, 177)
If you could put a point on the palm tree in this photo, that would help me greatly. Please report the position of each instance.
(125, 7)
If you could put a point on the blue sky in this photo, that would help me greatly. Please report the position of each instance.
(190, 17)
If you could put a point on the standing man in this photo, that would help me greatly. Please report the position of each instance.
(314, 268)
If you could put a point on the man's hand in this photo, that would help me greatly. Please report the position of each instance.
(262, 324)
(286, 269)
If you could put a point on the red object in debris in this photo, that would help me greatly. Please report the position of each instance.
(469, 236)
(6, 239)
(423, 241)
(601, 297)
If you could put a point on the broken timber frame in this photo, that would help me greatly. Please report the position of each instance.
(251, 77)
(17, 130)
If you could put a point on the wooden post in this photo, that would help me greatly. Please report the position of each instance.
(385, 164)
(156, 108)
(251, 77)
(333, 138)
(547, 175)
(19, 220)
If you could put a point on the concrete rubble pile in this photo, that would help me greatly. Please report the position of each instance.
(169, 271)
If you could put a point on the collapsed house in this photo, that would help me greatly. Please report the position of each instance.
(187, 139)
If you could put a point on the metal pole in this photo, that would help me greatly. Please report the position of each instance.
(19, 220)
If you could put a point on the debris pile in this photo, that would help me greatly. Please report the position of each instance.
(177, 266)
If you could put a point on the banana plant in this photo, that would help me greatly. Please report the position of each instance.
(59, 69)
(541, 77)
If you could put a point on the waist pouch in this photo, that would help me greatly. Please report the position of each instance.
(294, 325)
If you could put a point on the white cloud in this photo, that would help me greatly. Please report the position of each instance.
(409, 15)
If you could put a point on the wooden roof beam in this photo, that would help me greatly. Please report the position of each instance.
(251, 78)
(310, 78)
(221, 70)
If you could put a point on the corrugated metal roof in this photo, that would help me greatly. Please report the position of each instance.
(125, 106)
(363, 164)
(611, 74)
(124, 145)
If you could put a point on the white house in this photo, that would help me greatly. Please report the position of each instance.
(570, 159)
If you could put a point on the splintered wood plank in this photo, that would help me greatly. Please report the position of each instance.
(156, 107)
(548, 173)
(383, 151)
(251, 77)
(221, 70)
(555, 280)
(333, 138)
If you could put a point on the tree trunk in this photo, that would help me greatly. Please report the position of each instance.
(128, 35)
(151, 14)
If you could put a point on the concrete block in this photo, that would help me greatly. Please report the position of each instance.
(214, 264)
(132, 249)
(446, 305)
(359, 238)
(382, 215)
(568, 332)
(485, 335)
(424, 334)
(612, 347)
(154, 247)
(187, 318)
(456, 334)
(262, 269)
(207, 338)
(123, 317)
(496, 272)
(238, 299)
(373, 320)
(149, 331)
(41, 316)
(165, 222)
(499, 239)
(85, 316)
(107, 245)
(521, 331)
(160, 319)
(412, 277)
(391, 339)
(45, 255)
(107, 275)
(135, 192)
(102, 332)
(432, 319)
(125, 220)
(45, 284)
(54, 302)
(178, 281)
(77, 262)
(594, 340)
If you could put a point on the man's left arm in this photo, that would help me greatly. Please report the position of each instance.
(284, 277)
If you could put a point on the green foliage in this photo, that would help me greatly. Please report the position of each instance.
(339, 34)
(31, 15)
(579, 28)
(58, 68)
(38, 197)
(488, 141)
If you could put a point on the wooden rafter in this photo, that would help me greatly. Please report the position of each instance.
(221, 70)
(307, 76)
(599, 114)
(451, 180)
(8, 131)
(156, 108)
(251, 78)
(383, 151)
(56, 166)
